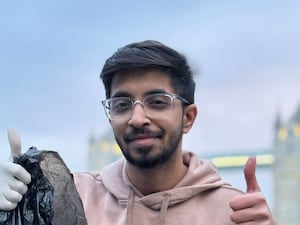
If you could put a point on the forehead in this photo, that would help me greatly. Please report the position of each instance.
(141, 83)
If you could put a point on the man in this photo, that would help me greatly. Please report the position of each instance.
(150, 105)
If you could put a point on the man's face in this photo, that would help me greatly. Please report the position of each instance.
(147, 142)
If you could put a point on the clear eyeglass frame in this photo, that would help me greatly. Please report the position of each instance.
(155, 105)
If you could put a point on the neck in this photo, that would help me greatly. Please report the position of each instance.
(157, 179)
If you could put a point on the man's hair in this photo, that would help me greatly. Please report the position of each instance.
(147, 56)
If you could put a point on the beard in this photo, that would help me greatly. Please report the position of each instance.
(164, 152)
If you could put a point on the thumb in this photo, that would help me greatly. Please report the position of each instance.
(250, 177)
(14, 142)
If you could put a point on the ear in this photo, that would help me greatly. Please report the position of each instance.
(189, 116)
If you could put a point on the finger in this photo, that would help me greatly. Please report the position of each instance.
(7, 205)
(250, 177)
(247, 200)
(250, 207)
(19, 187)
(14, 142)
(19, 172)
(242, 216)
(13, 196)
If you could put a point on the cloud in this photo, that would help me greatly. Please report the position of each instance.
(239, 116)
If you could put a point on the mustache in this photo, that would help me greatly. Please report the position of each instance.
(139, 133)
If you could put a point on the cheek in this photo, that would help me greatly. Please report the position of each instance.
(117, 128)
(172, 122)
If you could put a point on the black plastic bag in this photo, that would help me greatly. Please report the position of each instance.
(36, 205)
(52, 198)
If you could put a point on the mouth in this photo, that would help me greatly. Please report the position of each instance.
(141, 136)
(143, 142)
(142, 139)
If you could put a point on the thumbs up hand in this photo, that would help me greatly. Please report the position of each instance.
(13, 177)
(251, 208)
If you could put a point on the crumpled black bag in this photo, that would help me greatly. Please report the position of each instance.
(51, 199)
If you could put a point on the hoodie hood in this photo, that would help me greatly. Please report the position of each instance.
(201, 176)
(201, 197)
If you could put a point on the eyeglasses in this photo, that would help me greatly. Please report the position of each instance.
(154, 105)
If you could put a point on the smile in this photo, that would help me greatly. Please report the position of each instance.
(142, 140)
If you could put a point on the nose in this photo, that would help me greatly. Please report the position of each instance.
(139, 117)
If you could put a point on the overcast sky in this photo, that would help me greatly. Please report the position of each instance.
(245, 55)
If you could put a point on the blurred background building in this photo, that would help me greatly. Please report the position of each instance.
(286, 170)
(278, 168)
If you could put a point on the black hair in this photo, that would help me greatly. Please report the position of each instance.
(150, 55)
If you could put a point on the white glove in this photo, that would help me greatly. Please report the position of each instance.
(13, 177)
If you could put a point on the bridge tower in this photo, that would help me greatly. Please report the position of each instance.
(287, 170)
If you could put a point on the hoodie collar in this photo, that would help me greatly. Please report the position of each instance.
(201, 176)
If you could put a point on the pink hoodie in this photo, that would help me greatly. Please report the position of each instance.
(201, 197)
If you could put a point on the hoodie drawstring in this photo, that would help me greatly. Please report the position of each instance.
(163, 210)
(130, 207)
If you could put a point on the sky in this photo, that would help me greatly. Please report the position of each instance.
(245, 56)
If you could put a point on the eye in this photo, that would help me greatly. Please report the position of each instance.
(119, 105)
(158, 101)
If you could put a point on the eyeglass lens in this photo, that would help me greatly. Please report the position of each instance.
(154, 105)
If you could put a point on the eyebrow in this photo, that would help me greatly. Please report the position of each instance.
(156, 91)
(127, 94)
(121, 94)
